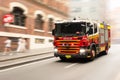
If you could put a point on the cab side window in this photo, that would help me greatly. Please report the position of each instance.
(90, 29)
(95, 28)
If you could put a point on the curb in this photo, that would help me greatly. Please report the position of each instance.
(23, 63)
(24, 56)
(9, 64)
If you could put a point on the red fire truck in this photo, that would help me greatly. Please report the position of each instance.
(80, 39)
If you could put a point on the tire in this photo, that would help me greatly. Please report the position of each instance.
(62, 58)
(106, 51)
(93, 54)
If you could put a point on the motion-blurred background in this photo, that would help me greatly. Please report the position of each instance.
(101, 10)
(34, 19)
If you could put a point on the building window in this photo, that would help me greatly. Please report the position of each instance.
(39, 22)
(19, 17)
(14, 39)
(39, 0)
(50, 41)
(50, 24)
(39, 41)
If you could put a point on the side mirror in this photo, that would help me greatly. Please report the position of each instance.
(53, 32)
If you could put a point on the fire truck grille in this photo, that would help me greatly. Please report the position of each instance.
(68, 46)
(68, 50)
(73, 43)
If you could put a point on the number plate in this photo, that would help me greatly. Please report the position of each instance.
(68, 56)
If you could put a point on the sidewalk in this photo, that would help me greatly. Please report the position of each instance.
(28, 53)
(15, 58)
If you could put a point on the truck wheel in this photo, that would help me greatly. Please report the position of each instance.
(106, 51)
(62, 58)
(93, 54)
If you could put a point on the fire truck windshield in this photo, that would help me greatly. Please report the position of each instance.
(70, 29)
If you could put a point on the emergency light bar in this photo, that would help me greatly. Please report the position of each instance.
(67, 21)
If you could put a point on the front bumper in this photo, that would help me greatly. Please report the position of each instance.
(78, 55)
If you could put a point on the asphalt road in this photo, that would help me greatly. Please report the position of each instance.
(106, 67)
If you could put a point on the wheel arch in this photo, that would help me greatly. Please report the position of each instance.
(93, 45)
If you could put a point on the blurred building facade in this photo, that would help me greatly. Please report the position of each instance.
(114, 19)
(89, 9)
(33, 20)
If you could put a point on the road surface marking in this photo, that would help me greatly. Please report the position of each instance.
(70, 65)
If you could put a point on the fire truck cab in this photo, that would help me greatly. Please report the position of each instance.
(80, 39)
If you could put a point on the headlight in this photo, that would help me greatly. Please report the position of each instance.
(82, 50)
(55, 50)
